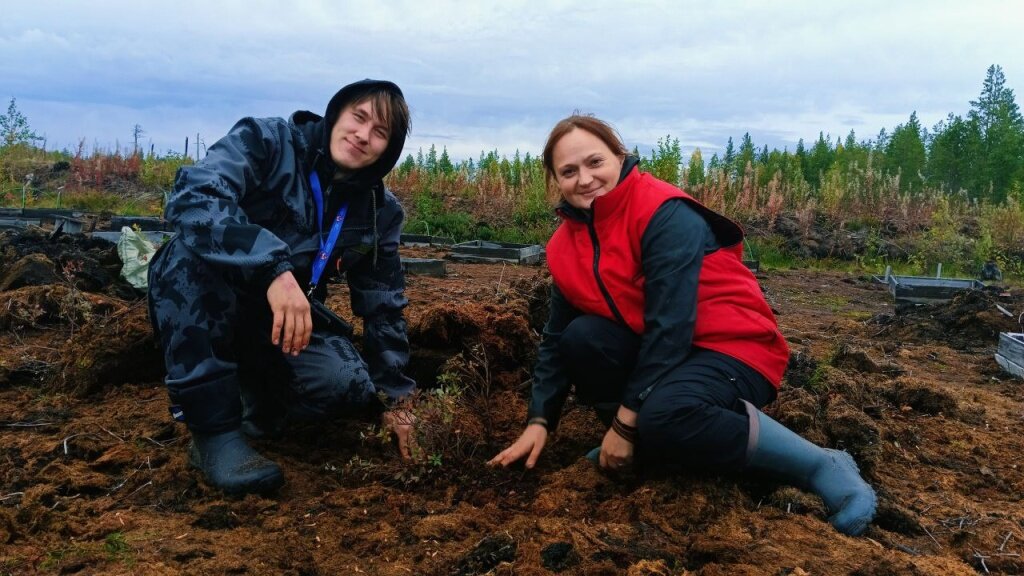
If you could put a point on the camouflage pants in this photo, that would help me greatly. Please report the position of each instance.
(216, 341)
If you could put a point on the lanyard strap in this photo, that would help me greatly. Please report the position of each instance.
(325, 247)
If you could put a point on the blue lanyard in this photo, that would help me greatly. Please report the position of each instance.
(332, 237)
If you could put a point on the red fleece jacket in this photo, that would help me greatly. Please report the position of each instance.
(732, 315)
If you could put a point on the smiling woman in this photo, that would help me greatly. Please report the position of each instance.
(657, 324)
(586, 170)
(584, 157)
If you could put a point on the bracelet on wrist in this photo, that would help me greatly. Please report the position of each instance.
(626, 432)
(538, 420)
(624, 435)
(624, 425)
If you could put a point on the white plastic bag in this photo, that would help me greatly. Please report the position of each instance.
(135, 251)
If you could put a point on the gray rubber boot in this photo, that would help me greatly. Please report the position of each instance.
(605, 413)
(230, 464)
(831, 474)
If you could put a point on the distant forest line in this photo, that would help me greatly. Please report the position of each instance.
(911, 196)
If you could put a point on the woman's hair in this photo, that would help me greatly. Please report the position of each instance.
(588, 122)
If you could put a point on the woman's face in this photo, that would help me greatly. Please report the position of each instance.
(585, 167)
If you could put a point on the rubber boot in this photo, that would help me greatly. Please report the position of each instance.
(230, 464)
(831, 474)
(264, 408)
(263, 417)
(605, 413)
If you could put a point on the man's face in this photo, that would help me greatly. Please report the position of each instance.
(359, 136)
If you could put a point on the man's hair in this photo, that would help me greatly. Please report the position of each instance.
(588, 122)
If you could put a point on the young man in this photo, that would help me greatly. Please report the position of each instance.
(236, 296)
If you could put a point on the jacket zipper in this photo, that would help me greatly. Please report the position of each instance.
(597, 273)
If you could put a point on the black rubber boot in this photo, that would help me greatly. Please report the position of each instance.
(263, 416)
(264, 406)
(230, 464)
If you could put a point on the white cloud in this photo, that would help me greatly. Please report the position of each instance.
(498, 75)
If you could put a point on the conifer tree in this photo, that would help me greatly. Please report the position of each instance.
(801, 158)
(431, 162)
(444, 163)
(407, 165)
(1002, 135)
(881, 141)
(819, 160)
(954, 150)
(746, 154)
(517, 170)
(905, 154)
(851, 141)
(729, 159)
(714, 165)
(762, 156)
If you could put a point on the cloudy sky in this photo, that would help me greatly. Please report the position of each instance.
(497, 75)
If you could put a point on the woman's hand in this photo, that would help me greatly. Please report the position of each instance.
(616, 451)
(293, 324)
(531, 442)
(401, 423)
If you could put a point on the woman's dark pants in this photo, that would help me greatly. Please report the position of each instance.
(692, 418)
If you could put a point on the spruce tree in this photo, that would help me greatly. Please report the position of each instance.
(1002, 136)
(729, 159)
(819, 160)
(746, 154)
(954, 151)
(444, 163)
(905, 154)
(801, 158)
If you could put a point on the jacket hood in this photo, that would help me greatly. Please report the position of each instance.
(318, 131)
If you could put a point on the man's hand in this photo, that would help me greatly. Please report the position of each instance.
(293, 324)
(401, 423)
(531, 442)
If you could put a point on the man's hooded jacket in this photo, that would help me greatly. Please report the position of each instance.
(248, 208)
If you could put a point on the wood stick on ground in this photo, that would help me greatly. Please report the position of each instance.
(1005, 539)
(981, 558)
(926, 531)
(65, 441)
(121, 440)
